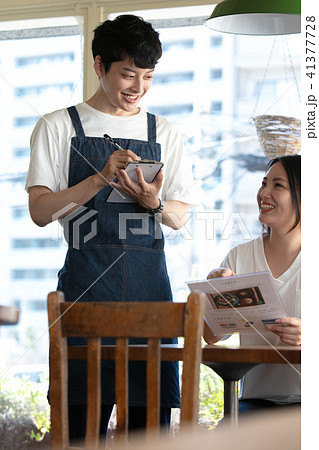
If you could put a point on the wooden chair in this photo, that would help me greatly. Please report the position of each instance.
(122, 320)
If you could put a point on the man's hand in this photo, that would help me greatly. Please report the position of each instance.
(146, 194)
(116, 161)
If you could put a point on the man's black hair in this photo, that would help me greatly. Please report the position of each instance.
(127, 36)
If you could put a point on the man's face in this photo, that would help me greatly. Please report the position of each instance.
(123, 86)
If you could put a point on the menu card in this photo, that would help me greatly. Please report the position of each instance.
(243, 303)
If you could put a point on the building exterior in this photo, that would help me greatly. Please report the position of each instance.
(37, 76)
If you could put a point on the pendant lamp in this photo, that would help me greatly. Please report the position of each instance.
(256, 17)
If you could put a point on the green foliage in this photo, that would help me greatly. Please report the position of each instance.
(211, 390)
(23, 399)
(211, 397)
(35, 436)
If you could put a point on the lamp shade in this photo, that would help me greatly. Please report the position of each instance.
(256, 17)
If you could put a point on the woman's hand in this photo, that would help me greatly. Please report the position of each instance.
(288, 329)
(220, 272)
(209, 336)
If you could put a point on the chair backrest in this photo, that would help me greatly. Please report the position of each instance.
(153, 321)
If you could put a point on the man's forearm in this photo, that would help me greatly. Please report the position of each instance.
(46, 206)
(175, 214)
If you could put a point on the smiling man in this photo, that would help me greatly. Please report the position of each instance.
(71, 168)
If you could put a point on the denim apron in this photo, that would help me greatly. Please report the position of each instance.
(109, 259)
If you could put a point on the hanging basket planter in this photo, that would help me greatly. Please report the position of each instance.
(278, 135)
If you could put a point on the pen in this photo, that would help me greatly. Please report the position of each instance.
(113, 142)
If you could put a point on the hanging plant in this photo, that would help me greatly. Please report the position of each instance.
(278, 135)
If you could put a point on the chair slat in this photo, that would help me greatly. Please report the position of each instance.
(94, 393)
(153, 385)
(121, 386)
(113, 317)
(58, 374)
(192, 356)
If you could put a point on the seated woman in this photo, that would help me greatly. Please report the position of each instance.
(277, 250)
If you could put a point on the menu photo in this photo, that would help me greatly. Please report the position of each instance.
(240, 303)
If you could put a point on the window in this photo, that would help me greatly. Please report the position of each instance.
(267, 87)
(25, 121)
(178, 45)
(216, 41)
(46, 58)
(34, 243)
(17, 303)
(216, 107)
(216, 74)
(36, 305)
(178, 77)
(20, 212)
(168, 110)
(40, 72)
(43, 90)
(21, 152)
(218, 204)
(33, 274)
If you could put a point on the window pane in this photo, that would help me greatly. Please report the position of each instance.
(38, 75)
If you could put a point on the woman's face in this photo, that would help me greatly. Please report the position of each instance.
(274, 200)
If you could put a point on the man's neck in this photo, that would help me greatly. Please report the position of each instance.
(100, 103)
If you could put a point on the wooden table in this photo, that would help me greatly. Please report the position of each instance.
(231, 363)
(211, 353)
(9, 315)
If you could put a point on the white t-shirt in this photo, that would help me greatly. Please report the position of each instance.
(51, 139)
(279, 383)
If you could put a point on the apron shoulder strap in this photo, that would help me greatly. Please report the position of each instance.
(76, 121)
(151, 127)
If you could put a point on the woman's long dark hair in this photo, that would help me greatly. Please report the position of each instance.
(292, 166)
